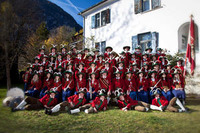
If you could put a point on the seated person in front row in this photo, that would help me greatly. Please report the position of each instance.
(163, 104)
(125, 103)
(31, 103)
(99, 104)
(73, 102)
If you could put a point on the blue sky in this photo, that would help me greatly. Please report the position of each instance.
(73, 7)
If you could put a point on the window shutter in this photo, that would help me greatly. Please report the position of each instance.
(155, 41)
(103, 46)
(93, 22)
(107, 16)
(138, 6)
(134, 42)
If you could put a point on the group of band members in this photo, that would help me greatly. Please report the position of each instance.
(89, 80)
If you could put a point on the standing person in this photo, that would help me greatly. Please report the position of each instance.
(127, 55)
(35, 86)
(57, 85)
(178, 86)
(80, 82)
(130, 85)
(53, 50)
(47, 84)
(100, 61)
(99, 104)
(67, 85)
(72, 102)
(108, 51)
(165, 86)
(142, 86)
(153, 81)
(105, 82)
(27, 77)
(31, 103)
(163, 104)
(92, 87)
(112, 59)
(179, 64)
(117, 82)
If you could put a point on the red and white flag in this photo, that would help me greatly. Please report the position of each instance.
(190, 53)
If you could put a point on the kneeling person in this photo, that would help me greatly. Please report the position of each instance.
(73, 102)
(99, 104)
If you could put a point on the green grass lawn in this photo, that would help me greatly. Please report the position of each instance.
(113, 120)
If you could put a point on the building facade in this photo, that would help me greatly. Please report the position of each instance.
(154, 23)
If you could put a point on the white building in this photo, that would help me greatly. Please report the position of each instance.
(156, 23)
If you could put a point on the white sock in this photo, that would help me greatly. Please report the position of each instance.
(147, 109)
(75, 111)
(21, 105)
(178, 102)
(56, 108)
(86, 111)
(153, 107)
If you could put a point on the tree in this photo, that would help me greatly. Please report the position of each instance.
(9, 25)
(42, 32)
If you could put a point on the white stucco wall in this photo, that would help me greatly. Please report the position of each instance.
(125, 23)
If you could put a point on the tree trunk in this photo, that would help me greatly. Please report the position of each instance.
(7, 67)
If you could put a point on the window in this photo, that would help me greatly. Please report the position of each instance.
(101, 46)
(146, 5)
(97, 20)
(148, 39)
(100, 19)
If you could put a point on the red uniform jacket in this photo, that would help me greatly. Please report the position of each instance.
(37, 84)
(122, 70)
(94, 85)
(163, 101)
(87, 63)
(77, 61)
(58, 84)
(100, 63)
(105, 84)
(83, 71)
(129, 85)
(180, 67)
(69, 84)
(75, 100)
(117, 83)
(128, 102)
(152, 83)
(46, 100)
(45, 64)
(106, 55)
(48, 83)
(95, 70)
(142, 83)
(164, 83)
(98, 105)
(112, 62)
(109, 70)
(57, 63)
(80, 84)
(163, 64)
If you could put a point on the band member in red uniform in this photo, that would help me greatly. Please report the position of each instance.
(100, 62)
(179, 64)
(145, 58)
(63, 50)
(165, 86)
(178, 86)
(145, 69)
(107, 67)
(134, 70)
(80, 82)
(96, 53)
(127, 55)
(36, 63)
(92, 87)
(138, 55)
(78, 59)
(117, 82)
(58, 61)
(57, 85)
(47, 83)
(53, 50)
(27, 77)
(112, 59)
(72, 102)
(93, 69)
(35, 86)
(130, 85)
(45, 62)
(149, 51)
(99, 104)
(88, 60)
(31, 103)
(142, 86)
(163, 62)
(105, 82)
(41, 50)
(85, 54)
(74, 51)
(108, 50)
(80, 68)
(67, 85)
(169, 73)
